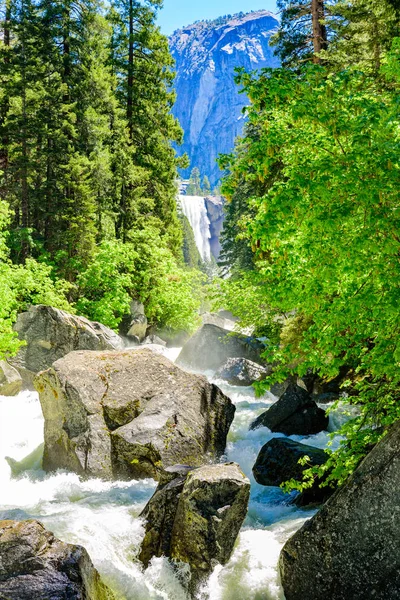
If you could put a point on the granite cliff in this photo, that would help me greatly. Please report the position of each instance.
(209, 106)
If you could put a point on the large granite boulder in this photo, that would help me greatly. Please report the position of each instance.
(278, 461)
(295, 413)
(129, 414)
(242, 372)
(51, 333)
(351, 548)
(34, 565)
(10, 380)
(196, 517)
(211, 346)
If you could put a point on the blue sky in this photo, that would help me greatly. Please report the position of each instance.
(177, 13)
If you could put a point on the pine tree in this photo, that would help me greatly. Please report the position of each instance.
(303, 32)
(362, 32)
(140, 57)
(206, 186)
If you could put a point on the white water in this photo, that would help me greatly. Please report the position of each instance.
(194, 208)
(103, 516)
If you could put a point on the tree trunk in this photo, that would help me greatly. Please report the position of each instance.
(320, 40)
(5, 105)
(24, 136)
(129, 109)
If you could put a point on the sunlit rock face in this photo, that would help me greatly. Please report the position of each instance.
(209, 106)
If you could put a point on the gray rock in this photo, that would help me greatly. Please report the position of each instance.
(211, 346)
(34, 565)
(138, 327)
(218, 320)
(51, 333)
(136, 308)
(216, 216)
(209, 106)
(10, 380)
(196, 518)
(154, 339)
(129, 414)
(295, 413)
(242, 372)
(351, 548)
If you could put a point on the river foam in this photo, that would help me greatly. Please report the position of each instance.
(104, 516)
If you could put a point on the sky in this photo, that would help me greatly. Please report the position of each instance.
(177, 13)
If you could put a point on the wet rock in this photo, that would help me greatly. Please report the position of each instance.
(129, 414)
(196, 518)
(242, 372)
(34, 565)
(295, 413)
(10, 380)
(278, 461)
(154, 339)
(32, 461)
(51, 333)
(160, 513)
(211, 346)
(351, 548)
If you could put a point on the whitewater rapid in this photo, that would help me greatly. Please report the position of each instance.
(104, 516)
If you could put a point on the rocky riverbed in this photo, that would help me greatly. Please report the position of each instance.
(104, 516)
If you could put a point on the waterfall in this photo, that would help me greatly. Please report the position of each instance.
(194, 209)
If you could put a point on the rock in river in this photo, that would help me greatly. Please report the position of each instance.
(241, 372)
(278, 461)
(196, 517)
(34, 565)
(295, 413)
(51, 333)
(350, 550)
(129, 414)
(10, 380)
(211, 346)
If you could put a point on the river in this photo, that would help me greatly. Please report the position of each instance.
(104, 516)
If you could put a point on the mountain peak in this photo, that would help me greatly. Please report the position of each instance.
(208, 101)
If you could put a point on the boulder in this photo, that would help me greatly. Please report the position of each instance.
(129, 414)
(219, 320)
(34, 565)
(242, 372)
(351, 548)
(211, 346)
(10, 380)
(196, 518)
(137, 324)
(295, 413)
(154, 339)
(160, 513)
(138, 327)
(278, 461)
(51, 333)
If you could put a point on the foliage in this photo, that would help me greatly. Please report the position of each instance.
(142, 268)
(191, 254)
(22, 285)
(325, 234)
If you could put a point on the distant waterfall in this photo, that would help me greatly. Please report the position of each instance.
(194, 208)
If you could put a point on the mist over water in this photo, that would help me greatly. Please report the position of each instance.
(103, 516)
